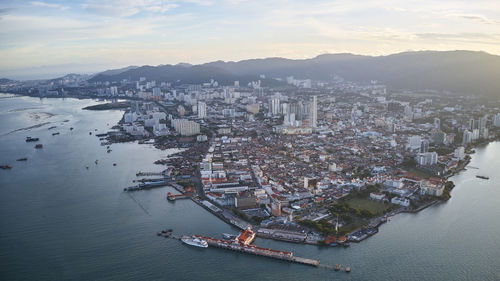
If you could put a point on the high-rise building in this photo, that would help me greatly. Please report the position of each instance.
(185, 127)
(482, 122)
(496, 120)
(156, 92)
(472, 124)
(314, 112)
(202, 110)
(437, 123)
(467, 137)
(274, 106)
(424, 146)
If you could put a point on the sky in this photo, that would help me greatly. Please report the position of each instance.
(42, 39)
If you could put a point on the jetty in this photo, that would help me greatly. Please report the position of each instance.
(242, 244)
(173, 197)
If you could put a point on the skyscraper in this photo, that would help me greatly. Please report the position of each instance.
(202, 110)
(274, 106)
(314, 112)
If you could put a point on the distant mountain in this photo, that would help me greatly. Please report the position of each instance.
(462, 72)
(117, 71)
(181, 74)
(5, 81)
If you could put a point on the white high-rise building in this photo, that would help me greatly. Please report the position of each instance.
(496, 120)
(467, 137)
(185, 127)
(202, 110)
(314, 112)
(414, 142)
(437, 123)
(113, 90)
(274, 106)
(156, 92)
(460, 153)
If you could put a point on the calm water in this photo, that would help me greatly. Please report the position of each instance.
(60, 221)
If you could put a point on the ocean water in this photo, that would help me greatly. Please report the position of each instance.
(61, 221)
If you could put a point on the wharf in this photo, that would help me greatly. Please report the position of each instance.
(146, 185)
(259, 251)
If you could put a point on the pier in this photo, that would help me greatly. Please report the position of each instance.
(173, 197)
(147, 174)
(259, 251)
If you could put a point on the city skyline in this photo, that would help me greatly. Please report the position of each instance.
(48, 37)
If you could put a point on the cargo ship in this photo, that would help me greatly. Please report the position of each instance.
(194, 241)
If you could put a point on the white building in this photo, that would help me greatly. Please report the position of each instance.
(314, 112)
(460, 153)
(202, 110)
(156, 92)
(414, 142)
(496, 120)
(274, 106)
(377, 196)
(427, 158)
(400, 201)
(185, 127)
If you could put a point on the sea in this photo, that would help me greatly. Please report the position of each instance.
(62, 221)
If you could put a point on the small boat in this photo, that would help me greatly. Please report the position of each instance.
(87, 167)
(114, 164)
(96, 161)
(38, 146)
(71, 129)
(90, 133)
(338, 267)
(158, 233)
(22, 159)
(6, 167)
(30, 139)
(53, 127)
(483, 177)
(54, 134)
(109, 150)
(348, 269)
(228, 236)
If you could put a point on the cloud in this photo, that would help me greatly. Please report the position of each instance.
(125, 8)
(469, 37)
(49, 5)
(475, 17)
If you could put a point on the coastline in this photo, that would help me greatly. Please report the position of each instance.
(377, 222)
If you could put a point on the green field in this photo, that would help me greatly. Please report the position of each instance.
(373, 206)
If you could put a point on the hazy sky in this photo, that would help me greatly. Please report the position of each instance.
(42, 38)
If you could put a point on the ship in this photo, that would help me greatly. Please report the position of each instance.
(30, 139)
(38, 146)
(6, 167)
(482, 177)
(228, 236)
(22, 159)
(194, 241)
(338, 267)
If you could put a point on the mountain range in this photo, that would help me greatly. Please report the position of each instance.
(461, 72)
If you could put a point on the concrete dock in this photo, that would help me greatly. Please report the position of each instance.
(259, 251)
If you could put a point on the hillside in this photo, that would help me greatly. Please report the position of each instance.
(462, 72)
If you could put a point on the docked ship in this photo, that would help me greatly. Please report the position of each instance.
(194, 241)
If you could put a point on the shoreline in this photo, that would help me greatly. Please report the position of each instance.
(237, 222)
